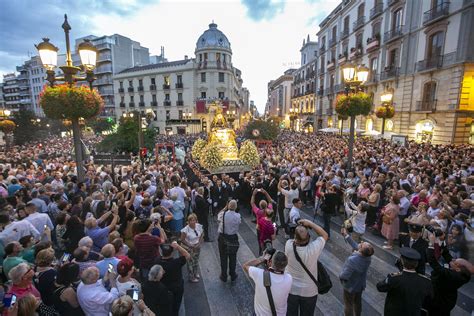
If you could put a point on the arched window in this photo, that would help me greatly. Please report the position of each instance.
(435, 46)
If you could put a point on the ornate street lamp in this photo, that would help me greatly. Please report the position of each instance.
(49, 58)
(386, 99)
(354, 76)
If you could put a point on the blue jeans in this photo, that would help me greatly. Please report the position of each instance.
(299, 305)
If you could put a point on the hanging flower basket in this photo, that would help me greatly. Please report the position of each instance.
(7, 126)
(198, 147)
(385, 111)
(211, 156)
(354, 104)
(65, 102)
(248, 153)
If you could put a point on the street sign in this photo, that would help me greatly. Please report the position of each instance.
(112, 159)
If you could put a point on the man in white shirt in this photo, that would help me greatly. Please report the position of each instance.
(279, 280)
(295, 212)
(404, 206)
(13, 231)
(93, 297)
(38, 220)
(304, 292)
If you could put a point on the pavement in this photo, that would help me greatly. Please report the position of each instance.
(211, 296)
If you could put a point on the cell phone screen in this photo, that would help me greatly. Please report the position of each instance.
(65, 257)
(135, 295)
(9, 300)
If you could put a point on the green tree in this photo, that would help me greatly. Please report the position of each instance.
(125, 139)
(101, 125)
(26, 127)
(267, 130)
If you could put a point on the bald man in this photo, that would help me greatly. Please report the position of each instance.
(228, 241)
(446, 281)
(354, 274)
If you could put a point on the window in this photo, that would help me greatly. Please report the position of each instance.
(179, 79)
(140, 82)
(122, 99)
(397, 19)
(360, 11)
(142, 98)
(121, 84)
(376, 29)
(393, 58)
(346, 24)
(167, 115)
(221, 95)
(223, 55)
(429, 94)
(180, 97)
(334, 33)
(132, 98)
(167, 80)
(218, 57)
(153, 97)
(153, 81)
(167, 96)
(205, 56)
(221, 77)
(373, 65)
(200, 58)
(180, 114)
(435, 45)
(130, 83)
(323, 42)
(359, 40)
(203, 77)
(203, 94)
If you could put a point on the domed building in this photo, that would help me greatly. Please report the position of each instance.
(183, 94)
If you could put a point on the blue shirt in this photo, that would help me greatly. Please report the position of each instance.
(100, 237)
(354, 272)
(40, 205)
(103, 265)
(12, 188)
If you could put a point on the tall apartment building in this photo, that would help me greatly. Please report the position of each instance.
(303, 99)
(11, 92)
(421, 51)
(279, 96)
(116, 53)
(182, 92)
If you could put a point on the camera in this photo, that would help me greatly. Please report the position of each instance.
(434, 230)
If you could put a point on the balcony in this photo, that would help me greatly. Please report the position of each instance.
(436, 13)
(104, 57)
(358, 23)
(166, 87)
(140, 88)
(373, 43)
(179, 85)
(103, 69)
(426, 106)
(344, 34)
(393, 34)
(355, 52)
(376, 10)
(332, 41)
(392, 2)
(131, 104)
(389, 73)
(429, 63)
(371, 79)
(342, 58)
(180, 103)
(122, 104)
(153, 87)
(329, 91)
(154, 103)
(167, 103)
(130, 89)
(331, 64)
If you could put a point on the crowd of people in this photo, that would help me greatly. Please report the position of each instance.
(116, 243)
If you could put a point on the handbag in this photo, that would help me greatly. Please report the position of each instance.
(323, 282)
(231, 242)
(268, 283)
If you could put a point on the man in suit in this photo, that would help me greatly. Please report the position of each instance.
(272, 186)
(233, 190)
(446, 281)
(202, 211)
(407, 291)
(414, 240)
(219, 196)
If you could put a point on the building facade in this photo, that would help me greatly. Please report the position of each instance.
(303, 99)
(182, 93)
(279, 97)
(420, 51)
(11, 92)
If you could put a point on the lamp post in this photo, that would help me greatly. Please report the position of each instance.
(354, 77)
(49, 58)
(386, 99)
(187, 118)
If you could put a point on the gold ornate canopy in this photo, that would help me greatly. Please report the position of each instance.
(224, 136)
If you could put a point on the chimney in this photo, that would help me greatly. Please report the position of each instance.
(185, 57)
